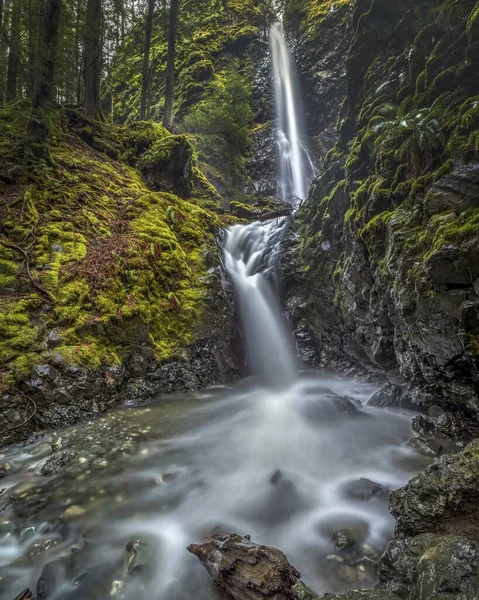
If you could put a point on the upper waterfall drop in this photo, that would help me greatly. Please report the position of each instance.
(295, 166)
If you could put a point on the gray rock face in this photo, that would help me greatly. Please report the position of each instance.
(443, 499)
(399, 296)
(432, 567)
(388, 395)
(64, 394)
(361, 595)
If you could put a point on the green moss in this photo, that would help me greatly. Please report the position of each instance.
(19, 337)
(104, 248)
(454, 232)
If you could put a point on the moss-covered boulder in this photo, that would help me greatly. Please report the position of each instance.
(168, 165)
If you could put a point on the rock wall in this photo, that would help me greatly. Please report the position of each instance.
(383, 268)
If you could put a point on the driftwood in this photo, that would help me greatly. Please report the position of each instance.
(25, 595)
(247, 571)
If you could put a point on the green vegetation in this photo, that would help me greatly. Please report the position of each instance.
(412, 119)
(85, 246)
(223, 120)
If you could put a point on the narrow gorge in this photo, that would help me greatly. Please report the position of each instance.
(239, 300)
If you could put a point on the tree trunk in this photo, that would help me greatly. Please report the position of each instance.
(145, 83)
(93, 58)
(36, 10)
(43, 93)
(246, 571)
(78, 50)
(170, 66)
(13, 53)
(2, 73)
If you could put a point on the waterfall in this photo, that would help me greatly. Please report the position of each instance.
(250, 252)
(295, 165)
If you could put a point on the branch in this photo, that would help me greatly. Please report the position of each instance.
(27, 267)
(5, 431)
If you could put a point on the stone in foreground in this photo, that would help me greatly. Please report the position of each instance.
(248, 571)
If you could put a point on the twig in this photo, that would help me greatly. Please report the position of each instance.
(27, 267)
(26, 420)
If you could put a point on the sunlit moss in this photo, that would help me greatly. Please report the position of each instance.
(103, 248)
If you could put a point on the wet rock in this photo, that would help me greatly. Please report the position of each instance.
(282, 501)
(59, 443)
(342, 574)
(73, 512)
(54, 465)
(442, 499)
(329, 406)
(344, 530)
(361, 595)
(364, 489)
(50, 577)
(65, 394)
(432, 567)
(56, 527)
(276, 477)
(168, 166)
(29, 502)
(350, 536)
(453, 266)
(423, 425)
(37, 550)
(5, 468)
(22, 562)
(53, 338)
(27, 533)
(387, 396)
(433, 446)
(261, 209)
(140, 556)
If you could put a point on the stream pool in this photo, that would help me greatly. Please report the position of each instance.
(110, 511)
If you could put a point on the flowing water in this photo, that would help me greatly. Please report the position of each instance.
(295, 165)
(279, 456)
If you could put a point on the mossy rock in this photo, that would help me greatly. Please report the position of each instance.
(168, 165)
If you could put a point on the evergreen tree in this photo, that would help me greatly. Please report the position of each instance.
(43, 93)
(145, 84)
(93, 57)
(14, 50)
(170, 66)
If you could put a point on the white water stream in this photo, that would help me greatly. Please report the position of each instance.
(295, 165)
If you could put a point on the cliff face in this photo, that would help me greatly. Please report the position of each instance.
(389, 237)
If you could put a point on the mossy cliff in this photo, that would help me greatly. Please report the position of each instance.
(389, 236)
(219, 95)
(108, 267)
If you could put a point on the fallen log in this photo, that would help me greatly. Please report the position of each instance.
(247, 571)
